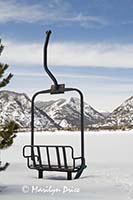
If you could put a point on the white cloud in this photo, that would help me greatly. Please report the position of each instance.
(86, 54)
(74, 76)
(55, 11)
(24, 54)
(87, 21)
(70, 54)
(13, 11)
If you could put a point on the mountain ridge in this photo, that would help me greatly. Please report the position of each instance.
(62, 113)
(67, 112)
(17, 106)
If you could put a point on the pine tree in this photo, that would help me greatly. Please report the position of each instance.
(6, 132)
(3, 68)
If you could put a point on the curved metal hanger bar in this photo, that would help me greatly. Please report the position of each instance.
(45, 59)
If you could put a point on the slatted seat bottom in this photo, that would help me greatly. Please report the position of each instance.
(52, 158)
(55, 168)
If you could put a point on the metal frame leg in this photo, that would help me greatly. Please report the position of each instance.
(40, 173)
(69, 175)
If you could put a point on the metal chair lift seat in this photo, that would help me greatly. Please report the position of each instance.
(35, 157)
(60, 165)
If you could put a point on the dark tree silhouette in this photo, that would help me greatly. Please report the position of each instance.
(7, 131)
(3, 68)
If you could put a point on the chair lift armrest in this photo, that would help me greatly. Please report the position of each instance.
(29, 156)
(26, 156)
(28, 159)
(35, 156)
(74, 159)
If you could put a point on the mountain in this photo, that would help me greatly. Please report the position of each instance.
(61, 113)
(66, 113)
(105, 114)
(122, 115)
(17, 107)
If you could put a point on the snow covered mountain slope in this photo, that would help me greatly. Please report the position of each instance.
(60, 113)
(66, 113)
(17, 107)
(122, 115)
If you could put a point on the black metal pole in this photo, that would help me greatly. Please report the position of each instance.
(32, 120)
(32, 112)
(82, 120)
(48, 33)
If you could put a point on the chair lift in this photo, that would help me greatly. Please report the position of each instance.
(35, 157)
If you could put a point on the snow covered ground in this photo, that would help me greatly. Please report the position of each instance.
(108, 176)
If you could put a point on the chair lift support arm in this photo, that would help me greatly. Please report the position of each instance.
(56, 88)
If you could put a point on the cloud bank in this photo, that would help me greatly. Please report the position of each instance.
(70, 54)
(53, 11)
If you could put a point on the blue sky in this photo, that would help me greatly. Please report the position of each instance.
(91, 46)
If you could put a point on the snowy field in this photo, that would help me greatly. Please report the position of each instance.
(108, 176)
